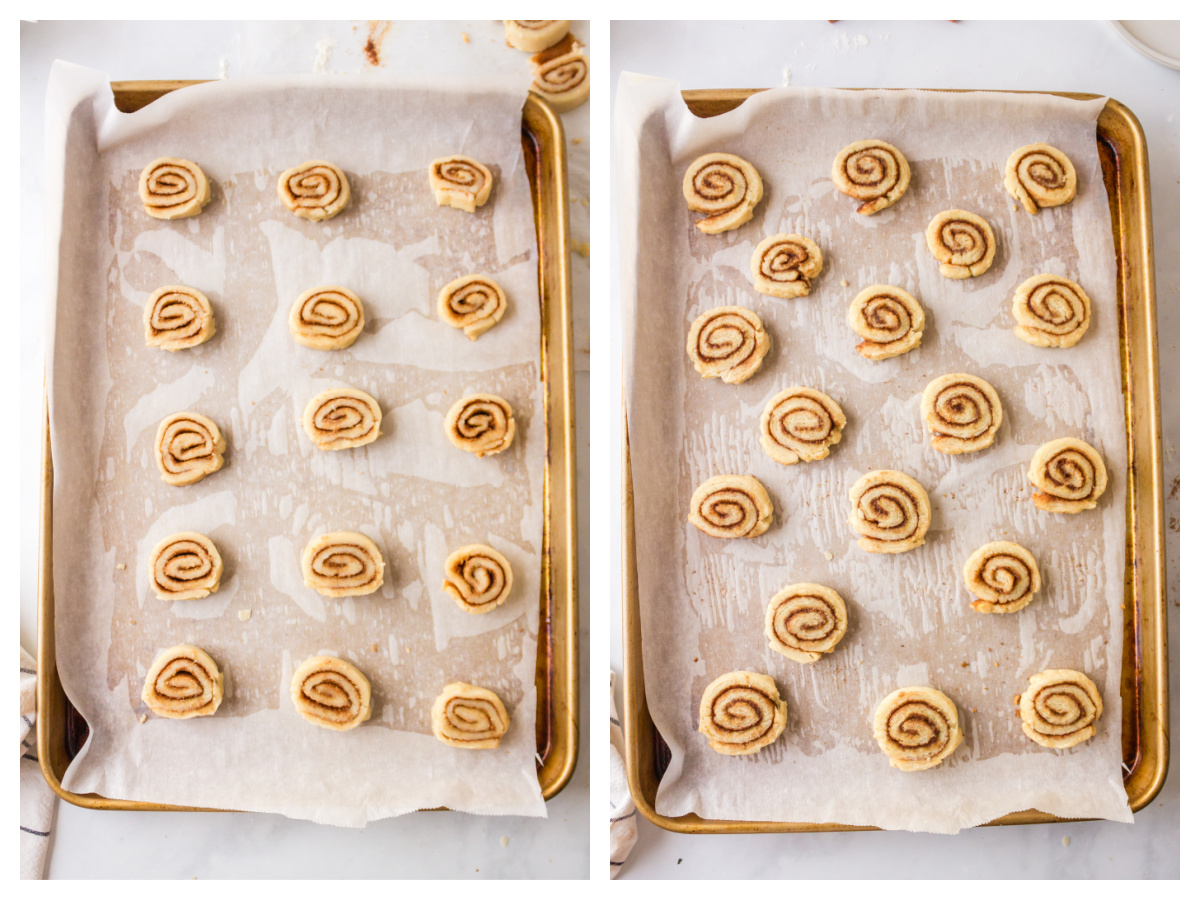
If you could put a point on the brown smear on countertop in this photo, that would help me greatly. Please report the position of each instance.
(377, 29)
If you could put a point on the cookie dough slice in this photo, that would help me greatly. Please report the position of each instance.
(1069, 476)
(460, 182)
(185, 566)
(173, 188)
(1060, 708)
(889, 320)
(785, 265)
(962, 412)
(1039, 176)
(890, 511)
(563, 81)
(473, 303)
(800, 424)
(917, 727)
(469, 717)
(482, 424)
(725, 188)
(731, 506)
(963, 243)
(742, 712)
(327, 318)
(331, 693)
(340, 418)
(1003, 576)
(805, 621)
(1051, 311)
(532, 35)
(178, 317)
(478, 577)
(729, 343)
(188, 447)
(342, 564)
(315, 190)
(872, 171)
(183, 682)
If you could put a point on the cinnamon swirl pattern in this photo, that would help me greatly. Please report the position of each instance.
(917, 727)
(731, 506)
(800, 424)
(1003, 576)
(482, 424)
(185, 566)
(532, 35)
(173, 188)
(478, 577)
(315, 190)
(890, 511)
(785, 265)
(563, 81)
(342, 564)
(872, 171)
(1039, 176)
(183, 682)
(962, 412)
(469, 717)
(1051, 311)
(178, 317)
(1069, 476)
(805, 621)
(1060, 708)
(725, 188)
(327, 318)
(331, 693)
(742, 712)
(889, 320)
(460, 182)
(962, 242)
(188, 447)
(473, 303)
(342, 417)
(729, 343)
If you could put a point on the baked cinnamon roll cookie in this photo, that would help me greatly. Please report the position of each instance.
(342, 564)
(800, 424)
(460, 182)
(890, 512)
(532, 35)
(1039, 176)
(725, 188)
(185, 566)
(872, 171)
(469, 717)
(1060, 708)
(742, 712)
(178, 317)
(785, 266)
(183, 682)
(315, 190)
(563, 81)
(805, 621)
(1069, 476)
(1051, 311)
(731, 506)
(1003, 576)
(482, 424)
(917, 727)
(729, 343)
(889, 320)
(188, 447)
(172, 188)
(962, 412)
(478, 577)
(473, 303)
(340, 418)
(331, 693)
(962, 242)
(327, 318)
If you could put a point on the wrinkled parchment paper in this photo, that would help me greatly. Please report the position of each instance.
(703, 600)
(411, 491)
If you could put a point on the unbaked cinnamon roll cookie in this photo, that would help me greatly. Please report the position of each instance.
(173, 188)
(332, 693)
(185, 566)
(917, 727)
(478, 577)
(962, 242)
(785, 265)
(563, 81)
(470, 717)
(482, 424)
(188, 447)
(1069, 476)
(532, 35)
(889, 320)
(1039, 176)
(725, 188)
(460, 182)
(890, 511)
(805, 621)
(183, 682)
(742, 712)
(178, 317)
(342, 564)
(315, 190)
(872, 171)
(1003, 576)
(731, 506)
(473, 303)
(800, 424)
(1060, 708)
(340, 418)
(729, 343)
(327, 318)
(962, 412)
(1051, 311)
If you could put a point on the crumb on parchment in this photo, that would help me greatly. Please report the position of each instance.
(844, 283)
(504, 841)
(142, 719)
(1066, 840)
(374, 648)
(828, 555)
(245, 614)
(121, 566)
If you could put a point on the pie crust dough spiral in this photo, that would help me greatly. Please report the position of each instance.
(327, 318)
(482, 424)
(800, 424)
(725, 188)
(188, 447)
(460, 182)
(478, 577)
(563, 81)
(185, 566)
(731, 506)
(1060, 708)
(1003, 576)
(785, 265)
(315, 190)
(183, 682)
(917, 727)
(470, 717)
(173, 188)
(872, 171)
(889, 320)
(342, 564)
(728, 342)
(963, 243)
(742, 712)
(1069, 476)
(332, 693)
(340, 418)
(805, 621)
(1051, 311)
(473, 303)
(1039, 176)
(890, 511)
(532, 35)
(963, 413)
(178, 317)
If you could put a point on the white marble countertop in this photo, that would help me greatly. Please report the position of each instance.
(1059, 56)
(90, 844)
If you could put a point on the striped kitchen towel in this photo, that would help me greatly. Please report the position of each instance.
(37, 800)
(622, 817)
